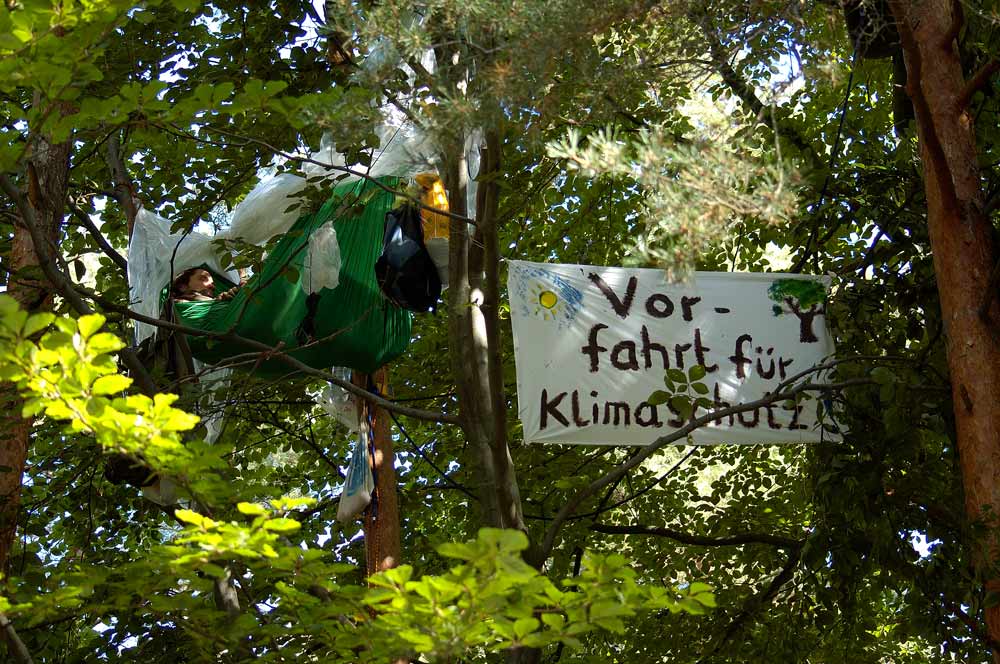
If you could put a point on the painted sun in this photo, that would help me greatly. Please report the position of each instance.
(547, 303)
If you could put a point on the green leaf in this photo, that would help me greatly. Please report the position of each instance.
(110, 385)
(192, 517)
(36, 323)
(525, 626)
(90, 324)
(251, 509)
(282, 525)
(104, 343)
(658, 397)
(682, 405)
(695, 373)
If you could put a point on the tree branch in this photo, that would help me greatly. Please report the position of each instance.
(780, 394)
(14, 642)
(757, 601)
(698, 540)
(225, 596)
(957, 21)
(935, 151)
(739, 87)
(124, 190)
(102, 241)
(976, 83)
(64, 285)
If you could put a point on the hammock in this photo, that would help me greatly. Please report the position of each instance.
(351, 325)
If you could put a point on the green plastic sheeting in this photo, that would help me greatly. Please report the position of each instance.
(354, 325)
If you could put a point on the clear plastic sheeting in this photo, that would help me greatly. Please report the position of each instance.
(403, 151)
(264, 212)
(155, 256)
(214, 381)
(321, 268)
(437, 247)
(338, 402)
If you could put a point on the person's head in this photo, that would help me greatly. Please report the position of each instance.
(193, 280)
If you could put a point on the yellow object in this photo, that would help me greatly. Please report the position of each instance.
(435, 225)
(548, 299)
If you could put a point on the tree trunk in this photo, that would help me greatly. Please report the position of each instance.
(964, 255)
(473, 298)
(44, 190)
(382, 548)
(474, 325)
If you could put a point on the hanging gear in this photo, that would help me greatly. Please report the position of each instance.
(405, 271)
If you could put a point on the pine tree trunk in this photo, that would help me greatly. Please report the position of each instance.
(44, 190)
(473, 335)
(964, 256)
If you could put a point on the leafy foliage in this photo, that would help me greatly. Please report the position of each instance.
(810, 551)
(490, 600)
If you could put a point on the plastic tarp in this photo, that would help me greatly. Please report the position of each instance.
(338, 402)
(351, 325)
(265, 213)
(321, 268)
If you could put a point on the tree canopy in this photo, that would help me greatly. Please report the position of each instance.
(812, 138)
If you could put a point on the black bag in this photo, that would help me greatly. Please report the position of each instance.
(405, 272)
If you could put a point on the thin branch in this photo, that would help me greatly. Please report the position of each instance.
(973, 625)
(63, 284)
(17, 647)
(124, 191)
(976, 83)
(102, 241)
(759, 600)
(445, 476)
(780, 394)
(698, 540)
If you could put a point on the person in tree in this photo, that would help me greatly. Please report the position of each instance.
(196, 284)
(802, 297)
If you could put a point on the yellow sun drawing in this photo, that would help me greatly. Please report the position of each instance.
(547, 303)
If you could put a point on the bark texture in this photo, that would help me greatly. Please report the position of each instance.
(964, 255)
(43, 193)
(382, 548)
(473, 297)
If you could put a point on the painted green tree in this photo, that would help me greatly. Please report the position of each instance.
(794, 296)
(852, 139)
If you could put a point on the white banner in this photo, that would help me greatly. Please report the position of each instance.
(593, 345)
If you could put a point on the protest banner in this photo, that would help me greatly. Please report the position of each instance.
(593, 344)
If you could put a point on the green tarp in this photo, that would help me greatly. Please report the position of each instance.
(354, 325)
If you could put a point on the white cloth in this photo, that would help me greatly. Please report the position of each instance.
(592, 345)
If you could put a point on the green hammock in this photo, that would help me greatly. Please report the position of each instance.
(351, 325)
